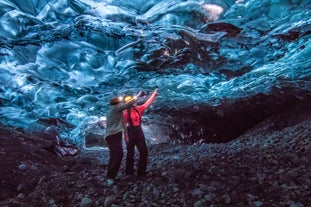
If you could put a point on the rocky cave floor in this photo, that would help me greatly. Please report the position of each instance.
(268, 165)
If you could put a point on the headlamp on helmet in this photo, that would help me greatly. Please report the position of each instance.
(128, 99)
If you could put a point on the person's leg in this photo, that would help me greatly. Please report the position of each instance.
(143, 153)
(115, 154)
(130, 147)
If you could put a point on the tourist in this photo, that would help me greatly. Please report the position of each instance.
(136, 137)
(113, 136)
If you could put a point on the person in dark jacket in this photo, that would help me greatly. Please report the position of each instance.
(136, 137)
(113, 135)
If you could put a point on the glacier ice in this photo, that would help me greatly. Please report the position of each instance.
(65, 59)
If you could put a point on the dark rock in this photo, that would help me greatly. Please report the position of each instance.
(263, 167)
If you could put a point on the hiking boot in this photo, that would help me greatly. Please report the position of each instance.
(110, 182)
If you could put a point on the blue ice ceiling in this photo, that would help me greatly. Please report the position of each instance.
(221, 66)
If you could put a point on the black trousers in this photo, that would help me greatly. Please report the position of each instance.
(115, 154)
(136, 139)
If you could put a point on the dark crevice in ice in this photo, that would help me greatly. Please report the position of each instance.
(227, 121)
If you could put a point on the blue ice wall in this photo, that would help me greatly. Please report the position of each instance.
(61, 61)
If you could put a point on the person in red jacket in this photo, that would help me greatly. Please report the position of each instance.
(136, 137)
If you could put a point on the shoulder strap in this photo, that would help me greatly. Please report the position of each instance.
(129, 115)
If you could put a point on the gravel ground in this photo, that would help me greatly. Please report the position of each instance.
(269, 165)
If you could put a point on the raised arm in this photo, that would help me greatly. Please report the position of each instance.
(150, 100)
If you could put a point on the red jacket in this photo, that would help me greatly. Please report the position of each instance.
(136, 114)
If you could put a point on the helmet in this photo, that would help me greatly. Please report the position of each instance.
(115, 101)
(128, 99)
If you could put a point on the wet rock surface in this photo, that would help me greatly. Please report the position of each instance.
(268, 165)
